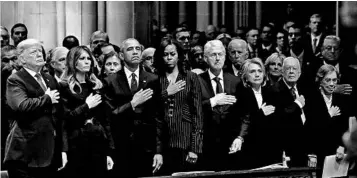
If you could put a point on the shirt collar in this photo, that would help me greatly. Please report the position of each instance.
(235, 70)
(289, 85)
(317, 37)
(212, 76)
(259, 90)
(31, 72)
(128, 72)
(267, 47)
(57, 78)
(326, 98)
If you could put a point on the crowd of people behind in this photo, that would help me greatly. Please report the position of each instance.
(193, 101)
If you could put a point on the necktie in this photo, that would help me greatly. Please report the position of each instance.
(134, 84)
(219, 88)
(39, 80)
(315, 44)
(292, 90)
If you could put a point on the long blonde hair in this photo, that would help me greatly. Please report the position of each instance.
(69, 74)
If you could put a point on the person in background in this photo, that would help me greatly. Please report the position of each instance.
(197, 60)
(282, 42)
(237, 53)
(56, 62)
(5, 37)
(148, 60)
(273, 68)
(70, 41)
(18, 33)
(112, 64)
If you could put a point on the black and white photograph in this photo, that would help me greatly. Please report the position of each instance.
(127, 89)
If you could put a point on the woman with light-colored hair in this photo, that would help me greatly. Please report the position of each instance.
(148, 60)
(89, 138)
(274, 66)
(329, 114)
(261, 145)
(56, 61)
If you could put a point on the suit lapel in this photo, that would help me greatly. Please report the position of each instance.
(123, 82)
(207, 83)
(31, 81)
(142, 79)
(227, 84)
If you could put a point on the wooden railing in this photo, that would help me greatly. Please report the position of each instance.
(271, 173)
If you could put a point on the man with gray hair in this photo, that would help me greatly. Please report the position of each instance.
(237, 53)
(289, 99)
(34, 145)
(223, 134)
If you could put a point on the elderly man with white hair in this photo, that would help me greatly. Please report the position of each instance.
(289, 101)
(224, 133)
(237, 54)
(34, 144)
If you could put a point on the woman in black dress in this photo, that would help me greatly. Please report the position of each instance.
(89, 138)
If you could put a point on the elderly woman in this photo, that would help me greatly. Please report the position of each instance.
(89, 138)
(261, 146)
(148, 60)
(112, 64)
(181, 109)
(328, 109)
(56, 61)
(274, 66)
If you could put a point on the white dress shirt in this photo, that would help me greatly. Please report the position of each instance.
(258, 97)
(235, 70)
(328, 101)
(128, 75)
(214, 84)
(312, 39)
(303, 118)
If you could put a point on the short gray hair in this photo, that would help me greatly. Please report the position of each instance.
(126, 40)
(335, 38)
(237, 41)
(213, 43)
(325, 70)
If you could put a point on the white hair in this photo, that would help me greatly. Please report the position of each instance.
(213, 43)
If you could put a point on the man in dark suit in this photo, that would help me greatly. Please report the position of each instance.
(131, 95)
(313, 41)
(219, 96)
(267, 47)
(237, 53)
(252, 37)
(290, 101)
(34, 145)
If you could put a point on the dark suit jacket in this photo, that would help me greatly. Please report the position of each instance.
(307, 40)
(294, 133)
(327, 131)
(219, 130)
(128, 126)
(264, 54)
(263, 130)
(36, 135)
(184, 125)
(222, 124)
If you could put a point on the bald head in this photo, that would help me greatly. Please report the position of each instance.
(238, 51)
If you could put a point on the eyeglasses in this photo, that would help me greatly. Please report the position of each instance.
(280, 37)
(295, 34)
(149, 58)
(197, 55)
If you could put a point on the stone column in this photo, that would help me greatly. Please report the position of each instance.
(215, 13)
(258, 13)
(101, 16)
(182, 12)
(89, 17)
(202, 15)
(120, 20)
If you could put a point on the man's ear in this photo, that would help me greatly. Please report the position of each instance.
(121, 56)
